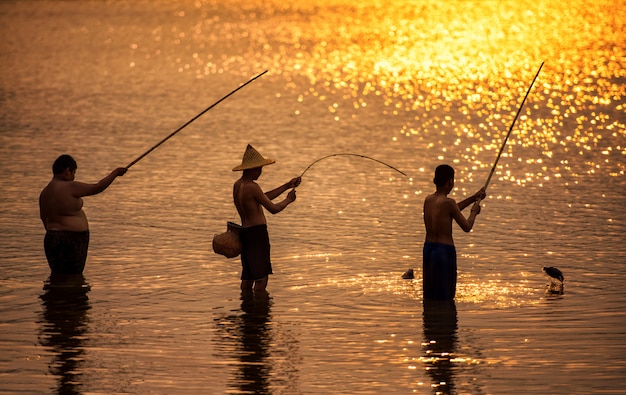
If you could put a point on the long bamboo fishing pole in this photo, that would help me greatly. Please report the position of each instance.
(493, 168)
(191, 120)
(348, 154)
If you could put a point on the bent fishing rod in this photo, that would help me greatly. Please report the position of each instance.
(190, 121)
(493, 168)
(349, 154)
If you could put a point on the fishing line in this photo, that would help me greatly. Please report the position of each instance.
(348, 154)
(190, 121)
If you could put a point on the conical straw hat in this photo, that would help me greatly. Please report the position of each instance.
(252, 159)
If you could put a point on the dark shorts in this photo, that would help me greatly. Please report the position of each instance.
(66, 251)
(255, 253)
(439, 271)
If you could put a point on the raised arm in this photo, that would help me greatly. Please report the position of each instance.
(480, 195)
(274, 193)
(270, 206)
(465, 223)
(80, 189)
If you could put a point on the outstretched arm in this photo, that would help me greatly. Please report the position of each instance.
(80, 189)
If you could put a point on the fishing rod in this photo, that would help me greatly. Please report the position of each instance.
(510, 129)
(191, 120)
(348, 154)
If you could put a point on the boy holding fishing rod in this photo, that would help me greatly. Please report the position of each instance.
(250, 200)
(439, 259)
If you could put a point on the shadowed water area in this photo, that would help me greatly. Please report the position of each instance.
(413, 84)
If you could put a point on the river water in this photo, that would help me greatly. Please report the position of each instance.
(412, 84)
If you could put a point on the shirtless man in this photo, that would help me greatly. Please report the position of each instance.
(250, 200)
(61, 211)
(439, 260)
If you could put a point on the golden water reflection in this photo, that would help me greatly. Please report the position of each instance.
(443, 78)
(440, 344)
(266, 353)
(490, 291)
(64, 324)
(450, 74)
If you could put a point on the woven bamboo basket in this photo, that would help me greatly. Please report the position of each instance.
(228, 243)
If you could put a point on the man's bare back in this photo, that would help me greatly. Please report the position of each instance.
(440, 211)
(250, 199)
(248, 207)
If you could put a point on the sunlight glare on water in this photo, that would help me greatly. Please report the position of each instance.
(420, 66)
(414, 84)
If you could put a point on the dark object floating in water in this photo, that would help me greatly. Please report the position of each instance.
(554, 273)
(408, 275)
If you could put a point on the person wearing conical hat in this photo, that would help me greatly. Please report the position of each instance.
(250, 200)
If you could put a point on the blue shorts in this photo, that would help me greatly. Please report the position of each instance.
(439, 271)
(255, 253)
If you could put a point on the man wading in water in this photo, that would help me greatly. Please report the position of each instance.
(61, 211)
(439, 261)
(250, 199)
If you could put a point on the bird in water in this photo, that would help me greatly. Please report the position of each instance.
(408, 275)
(554, 273)
(556, 281)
